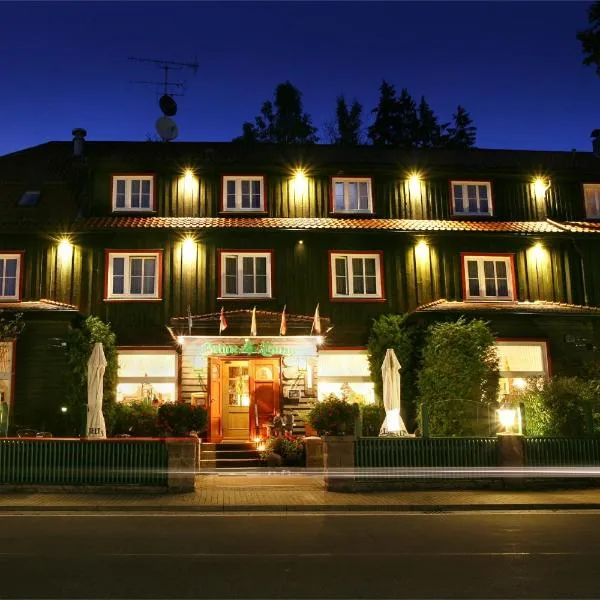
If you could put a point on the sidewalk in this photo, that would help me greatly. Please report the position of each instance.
(291, 493)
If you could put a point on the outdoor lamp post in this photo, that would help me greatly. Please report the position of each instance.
(510, 419)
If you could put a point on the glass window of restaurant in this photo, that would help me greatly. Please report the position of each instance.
(518, 361)
(346, 374)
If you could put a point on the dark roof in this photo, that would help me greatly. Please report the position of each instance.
(52, 160)
(405, 225)
(537, 307)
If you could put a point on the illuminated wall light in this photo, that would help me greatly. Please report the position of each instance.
(414, 184)
(300, 182)
(188, 249)
(180, 340)
(540, 185)
(519, 383)
(538, 252)
(301, 242)
(422, 250)
(65, 250)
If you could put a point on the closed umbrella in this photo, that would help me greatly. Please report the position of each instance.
(96, 428)
(390, 374)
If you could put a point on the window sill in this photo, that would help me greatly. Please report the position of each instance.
(370, 300)
(472, 215)
(126, 212)
(120, 300)
(353, 213)
(245, 213)
(245, 298)
(9, 299)
(489, 300)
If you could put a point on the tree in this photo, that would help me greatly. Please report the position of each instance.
(462, 133)
(384, 130)
(458, 381)
(430, 133)
(282, 121)
(408, 122)
(590, 38)
(346, 130)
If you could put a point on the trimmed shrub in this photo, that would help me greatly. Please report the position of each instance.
(372, 417)
(181, 419)
(137, 419)
(333, 416)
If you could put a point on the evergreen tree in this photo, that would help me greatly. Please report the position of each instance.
(462, 133)
(346, 131)
(384, 131)
(430, 132)
(407, 132)
(590, 38)
(282, 121)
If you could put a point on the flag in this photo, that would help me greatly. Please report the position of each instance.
(283, 326)
(316, 326)
(222, 322)
(253, 325)
(190, 321)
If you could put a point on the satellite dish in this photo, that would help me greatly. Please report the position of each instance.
(168, 105)
(167, 129)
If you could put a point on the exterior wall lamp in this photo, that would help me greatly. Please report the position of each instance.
(300, 182)
(65, 250)
(414, 184)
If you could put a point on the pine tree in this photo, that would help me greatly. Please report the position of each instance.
(346, 131)
(407, 132)
(282, 121)
(590, 38)
(430, 132)
(384, 131)
(462, 133)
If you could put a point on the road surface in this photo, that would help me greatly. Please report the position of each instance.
(266, 555)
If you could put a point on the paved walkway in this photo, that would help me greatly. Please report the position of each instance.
(218, 493)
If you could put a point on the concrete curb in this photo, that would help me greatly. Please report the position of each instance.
(222, 508)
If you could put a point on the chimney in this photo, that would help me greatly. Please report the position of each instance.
(78, 140)
(596, 141)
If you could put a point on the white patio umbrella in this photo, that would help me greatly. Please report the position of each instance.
(96, 428)
(390, 374)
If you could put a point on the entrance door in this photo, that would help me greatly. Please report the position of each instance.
(264, 377)
(236, 399)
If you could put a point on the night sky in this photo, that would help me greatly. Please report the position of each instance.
(516, 66)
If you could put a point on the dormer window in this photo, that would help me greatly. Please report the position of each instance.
(471, 198)
(591, 194)
(133, 193)
(30, 198)
(352, 195)
(243, 194)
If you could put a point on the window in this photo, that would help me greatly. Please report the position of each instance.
(31, 198)
(471, 197)
(356, 275)
(134, 275)
(346, 374)
(488, 277)
(591, 194)
(10, 276)
(243, 194)
(245, 274)
(518, 360)
(133, 193)
(146, 375)
(352, 195)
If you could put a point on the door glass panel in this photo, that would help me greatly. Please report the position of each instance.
(238, 386)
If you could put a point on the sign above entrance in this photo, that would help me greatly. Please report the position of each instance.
(250, 347)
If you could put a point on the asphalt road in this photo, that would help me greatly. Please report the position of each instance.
(389, 555)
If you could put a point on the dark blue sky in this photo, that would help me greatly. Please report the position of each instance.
(516, 66)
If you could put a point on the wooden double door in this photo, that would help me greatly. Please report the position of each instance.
(244, 396)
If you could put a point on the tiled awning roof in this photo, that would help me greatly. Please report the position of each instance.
(402, 225)
(39, 305)
(536, 307)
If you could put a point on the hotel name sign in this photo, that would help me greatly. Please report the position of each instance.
(254, 348)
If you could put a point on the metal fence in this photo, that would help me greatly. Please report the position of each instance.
(561, 452)
(426, 452)
(83, 462)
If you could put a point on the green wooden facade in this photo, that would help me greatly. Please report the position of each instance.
(76, 202)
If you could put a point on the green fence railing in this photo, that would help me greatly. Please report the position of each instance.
(561, 452)
(426, 452)
(83, 462)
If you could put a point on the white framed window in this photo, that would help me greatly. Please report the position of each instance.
(245, 274)
(591, 194)
(346, 374)
(133, 275)
(243, 194)
(10, 276)
(147, 375)
(471, 197)
(355, 275)
(519, 360)
(352, 195)
(133, 193)
(488, 277)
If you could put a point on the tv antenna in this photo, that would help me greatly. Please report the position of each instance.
(165, 126)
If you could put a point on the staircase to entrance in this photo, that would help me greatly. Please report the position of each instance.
(229, 455)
